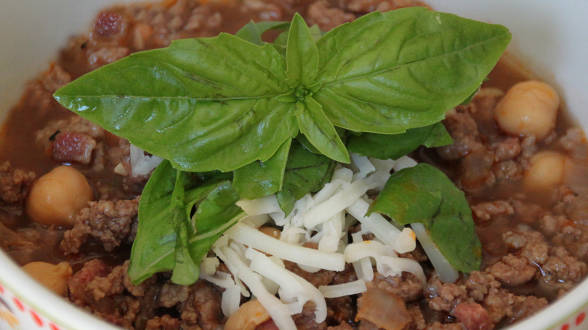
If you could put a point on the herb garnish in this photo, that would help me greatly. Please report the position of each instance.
(234, 103)
(425, 194)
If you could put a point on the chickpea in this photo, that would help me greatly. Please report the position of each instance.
(54, 277)
(247, 317)
(546, 169)
(528, 108)
(58, 195)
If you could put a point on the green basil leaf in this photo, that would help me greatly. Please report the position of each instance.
(319, 131)
(185, 271)
(260, 179)
(306, 172)
(394, 146)
(388, 72)
(306, 144)
(282, 40)
(205, 104)
(316, 33)
(425, 194)
(253, 31)
(301, 54)
(215, 214)
(159, 239)
(152, 250)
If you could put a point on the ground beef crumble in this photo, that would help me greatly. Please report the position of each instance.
(109, 222)
(14, 185)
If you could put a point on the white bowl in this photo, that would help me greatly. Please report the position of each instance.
(549, 36)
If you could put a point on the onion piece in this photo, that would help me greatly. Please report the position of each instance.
(142, 164)
(298, 254)
(343, 289)
(446, 272)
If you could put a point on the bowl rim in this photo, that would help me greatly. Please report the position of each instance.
(68, 315)
(46, 303)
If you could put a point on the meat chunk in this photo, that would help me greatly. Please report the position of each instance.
(473, 316)
(55, 78)
(165, 322)
(109, 294)
(327, 17)
(96, 281)
(444, 296)
(172, 294)
(73, 147)
(574, 141)
(477, 171)
(322, 277)
(561, 267)
(499, 304)
(513, 270)
(14, 185)
(408, 286)
(45, 137)
(507, 149)
(80, 281)
(464, 131)
(383, 309)
(203, 307)
(109, 222)
(418, 319)
(340, 310)
(24, 245)
(108, 24)
(479, 284)
(532, 245)
(486, 210)
(445, 326)
(306, 319)
(106, 55)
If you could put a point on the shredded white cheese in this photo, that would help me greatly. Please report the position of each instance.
(343, 289)
(274, 307)
(293, 288)
(298, 254)
(256, 260)
(142, 164)
(363, 267)
(446, 272)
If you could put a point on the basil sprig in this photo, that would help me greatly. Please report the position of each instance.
(221, 103)
(235, 104)
(424, 194)
(169, 237)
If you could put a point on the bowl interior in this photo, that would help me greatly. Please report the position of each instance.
(548, 36)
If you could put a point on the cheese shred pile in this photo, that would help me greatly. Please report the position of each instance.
(323, 220)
